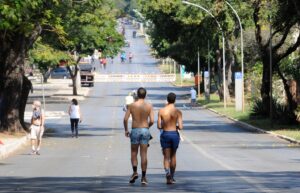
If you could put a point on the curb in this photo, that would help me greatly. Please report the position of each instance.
(6, 150)
(255, 129)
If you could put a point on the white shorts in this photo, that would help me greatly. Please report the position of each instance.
(36, 132)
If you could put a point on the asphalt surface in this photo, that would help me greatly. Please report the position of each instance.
(215, 156)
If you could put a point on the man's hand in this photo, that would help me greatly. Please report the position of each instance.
(127, 134)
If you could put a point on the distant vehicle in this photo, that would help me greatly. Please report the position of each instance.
(86, 67)
(86, 78)
(60, 73)
(127, 43)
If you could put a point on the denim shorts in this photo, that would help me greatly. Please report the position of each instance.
(169, 139)
(140, 136)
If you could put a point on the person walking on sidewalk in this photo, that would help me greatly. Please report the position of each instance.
(168, 119)
(193, 97)
(142, 119)
(75, 117)
(37, 127)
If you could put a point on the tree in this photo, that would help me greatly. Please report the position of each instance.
(284, 20)
(90, 26)
(22, 22)
(63, 25)
(46, 57)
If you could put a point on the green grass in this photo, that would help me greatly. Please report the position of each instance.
(185, 82)
(292, 131)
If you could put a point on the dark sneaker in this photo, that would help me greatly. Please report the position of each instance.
(144, 181)
(37, 153)
(169, 179)
(173, 181)
(133, 178)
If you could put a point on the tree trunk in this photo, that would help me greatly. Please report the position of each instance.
(74, 84)
(26, 87)
(265, 86)
(11, 98)
(13, 50)
(291, 96)
(74, 77)
(219, 73)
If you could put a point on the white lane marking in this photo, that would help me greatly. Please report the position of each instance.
(231, 169)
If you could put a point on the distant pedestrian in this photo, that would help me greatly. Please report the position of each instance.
(37, 127)
(142, 119)
(75, 117)
(123, 57)
(104, 62)
(128, 100)
(130, 57)
(168, 119)
(193, 97)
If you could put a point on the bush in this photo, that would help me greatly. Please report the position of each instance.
(281, 112)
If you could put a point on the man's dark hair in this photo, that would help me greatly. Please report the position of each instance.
(171, 97)
(141, 93)
(75, 102)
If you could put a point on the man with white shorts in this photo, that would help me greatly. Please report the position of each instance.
(37, 127)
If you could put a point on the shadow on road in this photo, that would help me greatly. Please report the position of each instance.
(187, 181)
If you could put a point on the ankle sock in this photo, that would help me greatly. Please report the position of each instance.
(134, 168)
(143, 173)
(167, 170)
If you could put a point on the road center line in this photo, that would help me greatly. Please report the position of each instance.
(231, 169)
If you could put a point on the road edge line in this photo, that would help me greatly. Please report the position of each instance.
(254, 128)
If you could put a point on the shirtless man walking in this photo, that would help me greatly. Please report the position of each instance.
(142, 119)
(168, 118)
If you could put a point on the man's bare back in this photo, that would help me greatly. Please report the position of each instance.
(168, 117)
(141, 112)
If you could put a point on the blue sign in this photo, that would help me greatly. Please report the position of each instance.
(238, 75)
(206, 74)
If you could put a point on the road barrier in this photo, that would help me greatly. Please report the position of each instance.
(135, 78)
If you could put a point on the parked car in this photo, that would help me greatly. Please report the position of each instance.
(60, 72)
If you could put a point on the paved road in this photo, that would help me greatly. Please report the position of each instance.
(216, 156)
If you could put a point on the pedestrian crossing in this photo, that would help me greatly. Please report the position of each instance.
(48, 114)
(135, 77)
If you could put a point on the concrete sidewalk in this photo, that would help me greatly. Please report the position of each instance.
(11, 143)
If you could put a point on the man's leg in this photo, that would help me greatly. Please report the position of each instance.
(173, 163)
(134, 162)
(167, 159)
(144, 162)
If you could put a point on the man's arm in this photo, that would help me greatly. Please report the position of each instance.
(151, 121)
(42, 118)
(159, 126)
(180, 124)
(125, 122)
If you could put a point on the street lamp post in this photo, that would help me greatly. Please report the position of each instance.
(242, 52)
(223, 42)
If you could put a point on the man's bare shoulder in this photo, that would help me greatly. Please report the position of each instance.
(178, 111)
(149, 105)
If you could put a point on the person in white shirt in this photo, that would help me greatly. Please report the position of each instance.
(193, 97)
(75, 117)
